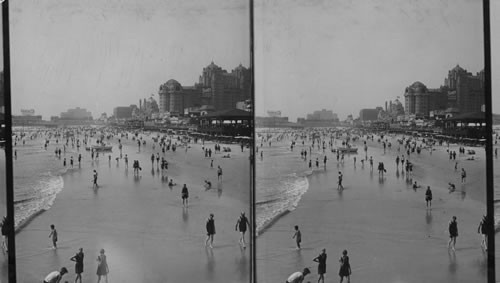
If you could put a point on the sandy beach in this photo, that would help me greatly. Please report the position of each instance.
(140, 222)
(383, 222)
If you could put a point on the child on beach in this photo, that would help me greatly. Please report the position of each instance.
(428, 197)
(53, 235)
(453, 230)
(185, 195)
(298, 236)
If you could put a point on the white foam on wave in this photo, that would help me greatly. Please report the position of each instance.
(269, 211)
(42, 199)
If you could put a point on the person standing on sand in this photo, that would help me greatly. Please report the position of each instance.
(219, 173)
(483, 230)
(241, 225)
(298, 277)
(55, 276)
(339, 182)
(184, 195)
(102, 267)
(428, 197)
(53, 235)
(210, 226)
(453, 230)
(371, 163)
(298, 236)
(345, 267)
(463, 175)
(78, 259)
(94, 179)
(321, 260)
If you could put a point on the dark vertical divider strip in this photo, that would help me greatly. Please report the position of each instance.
(8, 142)
(489, 141)
(252, 148)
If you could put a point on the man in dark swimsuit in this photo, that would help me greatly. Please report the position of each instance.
(453, 230)
(210, 230)
(241, 225)
(185, 195)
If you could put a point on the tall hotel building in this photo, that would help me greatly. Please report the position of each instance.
(461, 90)
(216, 88)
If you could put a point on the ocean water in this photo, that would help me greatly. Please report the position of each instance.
(281, 182)
(281, 176)
(37, 176)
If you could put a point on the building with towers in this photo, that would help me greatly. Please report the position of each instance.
(216, 88)
(461, 90)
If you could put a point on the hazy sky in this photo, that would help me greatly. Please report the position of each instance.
(347, 55)
(101, 54)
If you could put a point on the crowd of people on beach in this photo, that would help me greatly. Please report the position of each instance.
(69, 141)
(315, 145)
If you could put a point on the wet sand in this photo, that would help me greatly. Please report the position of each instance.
(141, 223)
(383, 222)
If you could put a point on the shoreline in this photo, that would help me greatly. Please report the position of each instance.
(316, 215)
(140, 221)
